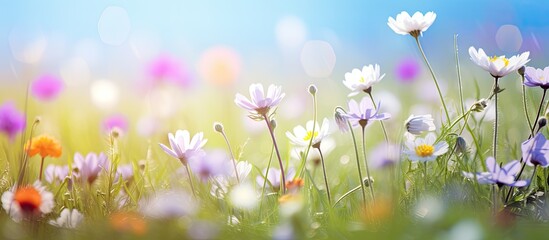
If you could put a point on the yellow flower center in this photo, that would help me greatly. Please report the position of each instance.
(310, 135)
(425, 150)
(504, 59)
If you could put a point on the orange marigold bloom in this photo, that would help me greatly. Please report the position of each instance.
(44, 145)
(128, 222)
(295, 184)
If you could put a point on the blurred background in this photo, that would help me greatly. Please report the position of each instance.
(178, 64)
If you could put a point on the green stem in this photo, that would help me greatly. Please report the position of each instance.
(366, 163)
(325, 176)
(525, 105)
(190, 179)
(361, 179)
(283, 187)
(41, 168)
(495, 140)
(232, 155)
(304, 161)
(458, 69)
(434, 78)
(381, 122)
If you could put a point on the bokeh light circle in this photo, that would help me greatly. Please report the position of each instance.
(318, 59)
(114, 26)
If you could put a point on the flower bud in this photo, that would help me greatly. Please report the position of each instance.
(312, 89)
(542, 122)
(218, 127)
(521, 71)
(341, 122)
(461, 145)
(273, 124)
(479, 106)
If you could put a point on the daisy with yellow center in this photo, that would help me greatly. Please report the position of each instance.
(27, 202)
(498, 66)
(425, 149)
(301, 136)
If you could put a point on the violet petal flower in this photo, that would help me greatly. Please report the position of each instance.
(55, 173)
(260, 103)
(89, 168)
(535, 151)
(363, 113)
(183, 147)
(275, 177)
(499, 175)
(46, 87)
(536, 77)
(12, 121)
(214, 163)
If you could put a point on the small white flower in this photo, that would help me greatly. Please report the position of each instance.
(413, 25)
(302, 136)
(360, 81)
(498, 66)
(68, 219)
(244, 197)
(419, 124)
(183, 147)
(27, 202)
(425, 149)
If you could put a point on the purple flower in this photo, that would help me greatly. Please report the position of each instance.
(360, 115)
(536, 77)
(260, 104)
(166, 69)
(46, 87)
(117, 121)
(88, 168)
(407, 69)
(535, 151)
(183, 147)
(125, 172)
(212, 164)
(12, 121)
(274, 178)
(499, 175)
(56, 173)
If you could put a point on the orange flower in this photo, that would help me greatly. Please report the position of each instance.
(29, 199)
(128, 222)
(295, 184)
(45, 146)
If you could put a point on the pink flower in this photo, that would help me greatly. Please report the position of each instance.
(117, 121)
(164, 68)
(407, 70)
(89, 168)
(46, 87)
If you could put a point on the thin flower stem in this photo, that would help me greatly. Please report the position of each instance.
(41, 168)
(361, 179)
(381, 122)
(232, 154)
(190, 179)
(458, 69)
(434, 78)
(366, 163)
(525, 105)
(531, 136)
(494, 199)
(26, 155)
(539, 112)
(495, 141)
(277, 153)
(533, 174)
(425, 177)
(325, 176)
(304, 161)
(265, 179)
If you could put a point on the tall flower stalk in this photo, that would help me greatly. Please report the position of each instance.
(261, 106)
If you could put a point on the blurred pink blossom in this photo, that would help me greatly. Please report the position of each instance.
(165, 68)
(46, 87)
(118, 121)
(407, 70)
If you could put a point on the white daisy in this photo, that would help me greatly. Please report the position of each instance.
(361, 81)
(419, 124)
(27, 202)
(302, 136)
(68, 219)
(498, 66)
(425, 149)
(413, 25)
